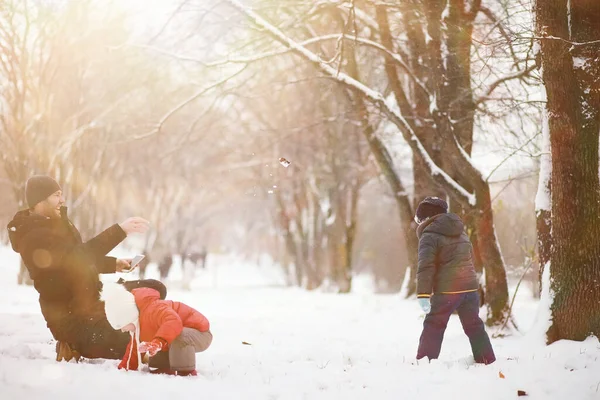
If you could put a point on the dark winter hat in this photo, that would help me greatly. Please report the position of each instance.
(430, 207)
(38, 188)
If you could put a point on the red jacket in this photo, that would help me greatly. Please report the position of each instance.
(162, 319)
(165, 319)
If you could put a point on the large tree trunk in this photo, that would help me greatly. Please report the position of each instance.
(573, 104)
(450, 84)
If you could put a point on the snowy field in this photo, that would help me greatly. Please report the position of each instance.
(301, 346)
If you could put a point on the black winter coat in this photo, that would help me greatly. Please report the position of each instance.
(64, 270)
(445, 257)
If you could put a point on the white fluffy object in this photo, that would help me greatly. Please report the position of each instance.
(119, 305)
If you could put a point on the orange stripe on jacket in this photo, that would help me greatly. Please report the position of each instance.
(423, 295)
(462, 291)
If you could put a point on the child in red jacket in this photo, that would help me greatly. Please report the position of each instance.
(169, 332)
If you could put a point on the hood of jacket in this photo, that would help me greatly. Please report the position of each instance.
(144, 296)
(24, 222)
(446, 224)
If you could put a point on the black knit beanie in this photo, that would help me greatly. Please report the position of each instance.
(38, 188)
(430, 207)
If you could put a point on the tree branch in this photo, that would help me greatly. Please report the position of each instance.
(167, 116)
(372, 96)
(499, 81)
(497, 23)
(335, 36)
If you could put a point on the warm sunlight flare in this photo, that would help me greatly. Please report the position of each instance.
(295, 199)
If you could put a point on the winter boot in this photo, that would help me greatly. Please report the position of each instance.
(187, 373)
(163, 371)
(64, 352)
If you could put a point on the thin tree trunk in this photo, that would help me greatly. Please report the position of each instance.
(290, 245)
(350, 220)
(385, 163)
(423, 185)
(496, 286)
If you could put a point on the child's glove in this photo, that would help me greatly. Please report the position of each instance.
(152, 347)
(425, 304)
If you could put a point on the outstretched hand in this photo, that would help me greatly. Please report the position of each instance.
(134, 225)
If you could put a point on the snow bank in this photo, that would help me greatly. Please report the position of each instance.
(302, 345)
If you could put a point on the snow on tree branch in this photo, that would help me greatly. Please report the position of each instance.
(550, 37)
(335, 36)
(373, 96)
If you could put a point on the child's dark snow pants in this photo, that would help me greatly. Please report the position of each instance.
(182, 352)
(467, 306)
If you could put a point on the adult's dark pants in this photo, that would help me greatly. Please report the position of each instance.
(92, 337)
(434, 326)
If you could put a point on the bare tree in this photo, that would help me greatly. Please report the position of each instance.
(441, 115)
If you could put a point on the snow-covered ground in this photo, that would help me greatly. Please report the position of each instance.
(301, 346)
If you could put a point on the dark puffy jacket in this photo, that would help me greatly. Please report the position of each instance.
(445, 257)
(64, 270)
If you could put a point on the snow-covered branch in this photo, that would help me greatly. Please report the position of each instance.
(335, 36)
(373, 96)
(592, 42)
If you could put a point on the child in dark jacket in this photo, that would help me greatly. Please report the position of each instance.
(169, 332)
(446, 270)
